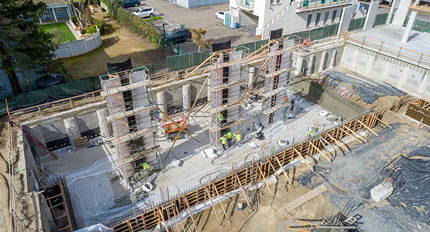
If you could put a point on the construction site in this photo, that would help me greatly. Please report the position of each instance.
(298, 135)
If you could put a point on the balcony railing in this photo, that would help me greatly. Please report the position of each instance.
(245, 4)
(312, 4)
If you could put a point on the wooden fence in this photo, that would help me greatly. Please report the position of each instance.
(420, 111)
(254, 172)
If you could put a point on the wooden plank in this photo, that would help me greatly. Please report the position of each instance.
(304, 160)
(319, 151)
(243, 191)
(283, 171)
(212, 204)
(338, 142)
(264, 179)
(368, 128)
(371, 115)
(220, 202)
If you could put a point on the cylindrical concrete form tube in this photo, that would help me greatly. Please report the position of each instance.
(161, 100)
(105, 126)
(186, 97)
(72, 130)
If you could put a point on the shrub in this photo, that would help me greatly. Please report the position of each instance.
(92, 29)
(74, 20)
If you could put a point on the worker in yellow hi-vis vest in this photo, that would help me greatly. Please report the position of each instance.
(146, 167)
(223, 142)
(238, 137)
(221, 117)
(229, 138)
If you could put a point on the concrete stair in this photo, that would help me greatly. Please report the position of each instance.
(274, 19)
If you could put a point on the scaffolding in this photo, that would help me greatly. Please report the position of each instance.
(129, 105)
(226, 82)
(277, 81)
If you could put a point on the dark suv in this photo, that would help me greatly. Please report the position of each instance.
(178, 36)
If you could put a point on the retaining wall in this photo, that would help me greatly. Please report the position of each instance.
(413, 79)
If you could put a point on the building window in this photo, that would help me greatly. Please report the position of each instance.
(326, 17)
(46, 14)
(308, 24)
(272, 2)
(333, 17)
(59, 10)
(278, 1)
(317, 20)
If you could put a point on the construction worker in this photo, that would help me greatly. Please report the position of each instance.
(221, 117)
(229, 137)
(223, 141)
(146, 167)
(311, 132)
(238, 139)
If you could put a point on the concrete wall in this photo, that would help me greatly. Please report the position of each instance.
(79, 47)
(408, 77)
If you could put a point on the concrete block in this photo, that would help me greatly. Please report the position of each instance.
(381, 191)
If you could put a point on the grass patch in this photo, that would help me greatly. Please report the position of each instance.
(154, 18)
(60, 31)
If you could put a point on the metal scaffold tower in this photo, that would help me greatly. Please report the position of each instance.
(129, 106)
(225, 93)
(277, 81)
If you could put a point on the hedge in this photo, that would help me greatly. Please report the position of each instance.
(135, 23)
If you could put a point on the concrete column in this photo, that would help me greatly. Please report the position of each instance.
(311, 67)
(324, 58)
(186, 97)
(333, 60)
(371, 15)
(72, 130)
(299, 66)
(394, 6)
(161, 100)
(251, 75)
(40, 20)
(408, 28)
(104, 125)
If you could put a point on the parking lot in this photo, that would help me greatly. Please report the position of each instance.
(200, 17)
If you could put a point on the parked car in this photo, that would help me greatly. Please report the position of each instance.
(144, 12)
(221, 14)
(178, 36)
(130, 3)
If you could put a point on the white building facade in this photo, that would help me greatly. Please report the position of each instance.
(262, 16)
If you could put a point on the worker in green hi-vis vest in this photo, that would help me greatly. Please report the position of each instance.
(146, 167)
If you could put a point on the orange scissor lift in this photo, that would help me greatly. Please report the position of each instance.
(171, 130)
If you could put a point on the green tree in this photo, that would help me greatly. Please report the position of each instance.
(197, 37)
(22, 45)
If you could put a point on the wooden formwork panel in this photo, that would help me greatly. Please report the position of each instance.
(246, 175)
(420, 111)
